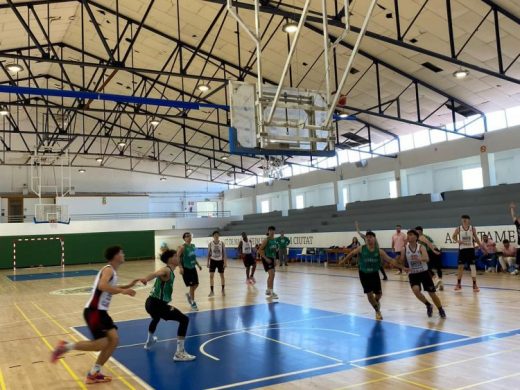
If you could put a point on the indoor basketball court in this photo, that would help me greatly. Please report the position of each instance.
(259, 194)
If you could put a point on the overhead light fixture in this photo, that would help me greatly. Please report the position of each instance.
(189, 171)
(99, 160)
(343, 116)
(162, 179)
(290, 27)
(225, 157)
(4, 111)
(81, 170)
(154, 122)
(203, 87)
(461, 73)
(121, 144)
(14, 68)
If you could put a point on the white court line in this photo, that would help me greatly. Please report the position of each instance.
(201, 348)
(121, 366)
(268, 326)
(463, 339)
(275, 377)
(325, 329)
(489, 381)
(296, 347)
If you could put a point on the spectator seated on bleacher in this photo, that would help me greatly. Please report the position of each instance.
(508, 257)
(353, 261)
(489, 254)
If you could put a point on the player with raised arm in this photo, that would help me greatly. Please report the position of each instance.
(363, 237)
(370, 260)
(100, 324)
(157, 305)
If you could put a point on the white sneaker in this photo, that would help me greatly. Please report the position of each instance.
(150, 343)
(211, 294)
(515, 272)
(274, 296)
(183, 357)
(194, 307)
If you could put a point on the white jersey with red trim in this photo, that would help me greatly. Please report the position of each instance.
(100, 300)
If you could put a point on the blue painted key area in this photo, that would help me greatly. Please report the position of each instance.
(260, 345)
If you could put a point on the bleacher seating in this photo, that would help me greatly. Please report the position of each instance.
(487, 207)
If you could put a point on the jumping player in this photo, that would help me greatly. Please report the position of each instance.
(434, 256)
(370, 260)
(415, 256)
(268, 250)
(158, 308)
(103, 329)
(187, 268)
(466, 236)
(245, 250)
(217, 260)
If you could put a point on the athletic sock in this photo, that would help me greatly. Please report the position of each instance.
(458, 281)
(150, 336)
(211, 288)
(474, 283)
(69, 346)
(223, 287)
(180, 345)
(95, 368)
(428, 304)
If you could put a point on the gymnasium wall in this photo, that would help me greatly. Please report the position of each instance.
(432, 169)
(79, 248)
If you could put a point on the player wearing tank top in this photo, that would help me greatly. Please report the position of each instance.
(187, 264)
(157, 305)
(103, 329)
(516, 221)
(370, 260)
(415, 257)
(245, 250)
(217, 260)
(466, 236)
(268, 250)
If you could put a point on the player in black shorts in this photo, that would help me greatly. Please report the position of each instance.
(217, 260)
(187, 264)
(415, 256)
(466, 236)
(268, 251)
(245, 250)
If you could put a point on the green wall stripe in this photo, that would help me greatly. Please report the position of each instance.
(80, 248)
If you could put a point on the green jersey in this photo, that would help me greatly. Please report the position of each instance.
(283, 242)
(189, 258)
(424, 244)
(271, 248)
(163, 290)
(369, 261)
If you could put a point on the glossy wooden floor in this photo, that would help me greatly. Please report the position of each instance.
(33, 319)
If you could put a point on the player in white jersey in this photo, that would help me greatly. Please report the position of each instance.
(216, 260)
(245, 250)
(415, 257)
(466, 236)
(103, 329)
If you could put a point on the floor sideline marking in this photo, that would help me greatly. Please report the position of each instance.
(275, 377)
(46, 314)
(42, 337)
(2, 382)
(488, 381)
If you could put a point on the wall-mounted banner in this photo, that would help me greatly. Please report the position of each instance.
(441, 237)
